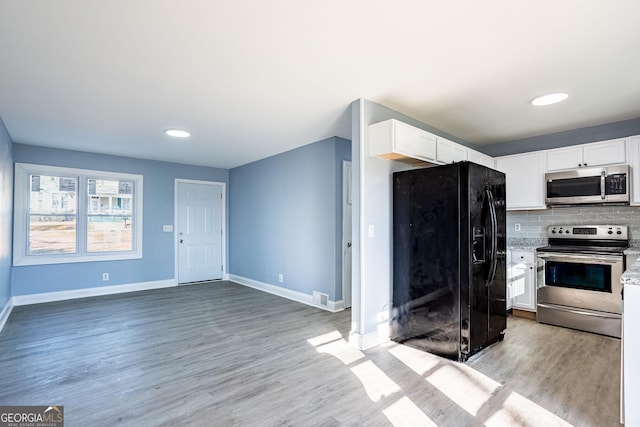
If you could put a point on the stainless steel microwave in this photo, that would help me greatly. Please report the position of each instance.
(606, 185)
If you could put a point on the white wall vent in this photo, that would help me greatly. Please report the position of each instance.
(320, 299)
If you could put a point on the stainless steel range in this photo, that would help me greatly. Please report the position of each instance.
(579, 277)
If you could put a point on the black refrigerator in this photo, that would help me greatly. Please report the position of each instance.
(449, 259)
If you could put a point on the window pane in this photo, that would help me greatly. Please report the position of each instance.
(50, 234)
(110, 197)
(109, 233)
(52, 194)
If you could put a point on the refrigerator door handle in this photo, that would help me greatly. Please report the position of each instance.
(494, 238)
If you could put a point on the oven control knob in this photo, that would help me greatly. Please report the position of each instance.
(553, 231)
(618, 232)
(610, 231)
(567, 232)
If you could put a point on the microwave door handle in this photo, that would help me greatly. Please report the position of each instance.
(603, 190)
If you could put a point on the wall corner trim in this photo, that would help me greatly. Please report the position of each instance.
(6, 311)
(332, 306)
(91, 292)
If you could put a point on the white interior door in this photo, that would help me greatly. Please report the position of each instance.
(199, 231)
(347, 193)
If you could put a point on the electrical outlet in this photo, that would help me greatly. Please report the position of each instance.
(517, 227)
(105, 276)
(280, 277)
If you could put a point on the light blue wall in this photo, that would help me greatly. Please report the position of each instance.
(284, 218)
(584, 135)
(6, 206)
(158, 209)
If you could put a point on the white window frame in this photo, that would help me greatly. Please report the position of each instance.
(21, 215)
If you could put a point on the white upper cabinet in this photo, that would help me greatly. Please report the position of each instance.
(395, 140)
(605, 153)
(525, 179)
(450, 152)
(633, 154)
(587, 155)
(480, 158)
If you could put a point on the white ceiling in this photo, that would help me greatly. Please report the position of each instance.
(253, 78)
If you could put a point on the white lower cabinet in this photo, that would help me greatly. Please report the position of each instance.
(521, 280)
(630, 350)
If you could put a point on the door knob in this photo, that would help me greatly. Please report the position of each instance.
(181, 240)
(349, 244)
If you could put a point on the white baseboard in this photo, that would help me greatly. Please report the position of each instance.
(91, 292)
(307, 299)
(6, 311)
(365, 341)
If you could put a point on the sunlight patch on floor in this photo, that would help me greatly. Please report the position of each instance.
(325, 338)
(376, 383)
(469, 389)
(517, 410)
(342, 350)
(418, 361)
(405, 413)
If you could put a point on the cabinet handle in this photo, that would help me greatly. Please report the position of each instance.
(579, 165)
(585, 164)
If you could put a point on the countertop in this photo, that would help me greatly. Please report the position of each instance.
(632, 251)
(632, 275)
(526, 248)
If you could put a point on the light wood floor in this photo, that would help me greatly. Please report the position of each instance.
(220, 354)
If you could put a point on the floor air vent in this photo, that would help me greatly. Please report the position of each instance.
(320, 299)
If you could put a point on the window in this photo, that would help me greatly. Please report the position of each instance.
(72, 215)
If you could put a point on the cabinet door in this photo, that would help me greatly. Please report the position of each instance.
(480, 158)
(527, 300)
(633, 150)
(523, 280)
(525, 180)
(395, 140)
(404, 138)
(605, 153)
(564, 158)
(450, 152)
(425, 145)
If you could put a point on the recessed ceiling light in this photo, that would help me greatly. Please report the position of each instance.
(549, 99)
(177, 133)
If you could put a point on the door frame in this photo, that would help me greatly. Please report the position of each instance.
(223, 207)
(347, 279)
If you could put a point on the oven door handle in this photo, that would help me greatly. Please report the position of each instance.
(608, 259)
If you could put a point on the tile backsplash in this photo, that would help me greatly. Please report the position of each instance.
(533, 224)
